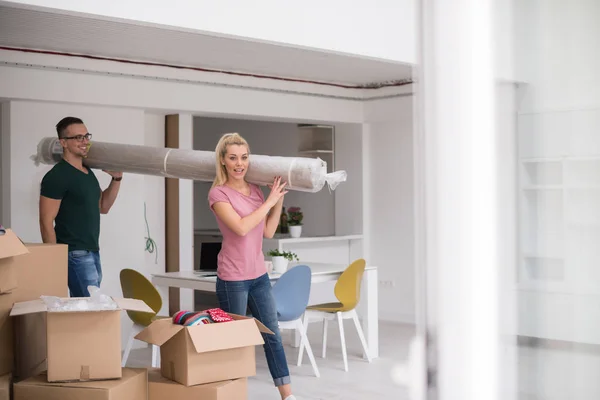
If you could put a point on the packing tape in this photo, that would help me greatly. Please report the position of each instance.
(85, 373)
(165, 161)
(289, 181)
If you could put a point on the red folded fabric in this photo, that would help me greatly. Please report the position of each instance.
(218, 315)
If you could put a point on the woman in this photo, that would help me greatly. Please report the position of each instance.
(244, 217)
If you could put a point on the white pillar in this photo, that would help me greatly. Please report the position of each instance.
(461, 207)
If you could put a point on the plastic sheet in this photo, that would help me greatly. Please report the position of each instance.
(300, 173)
(97, 301)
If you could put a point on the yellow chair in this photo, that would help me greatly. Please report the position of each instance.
(347, 291)
(136, 286)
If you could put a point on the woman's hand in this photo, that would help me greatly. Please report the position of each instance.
(277, 192)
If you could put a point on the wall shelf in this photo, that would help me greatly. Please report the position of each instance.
(559, 221)
(317, 141)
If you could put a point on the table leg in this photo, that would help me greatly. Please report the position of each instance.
(164, 294)
(370, 310)
(186, 299)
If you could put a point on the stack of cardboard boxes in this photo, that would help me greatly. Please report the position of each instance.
(27, 271)
(210, 362)
(77, 355)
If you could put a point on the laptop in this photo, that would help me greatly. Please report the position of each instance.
(209, 253)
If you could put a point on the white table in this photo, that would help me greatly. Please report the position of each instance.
(368, 307)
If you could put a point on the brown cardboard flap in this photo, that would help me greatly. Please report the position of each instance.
(259, 324)
(159, 332)
(225, 335)
(11, 245)
(28, 307)
(36, 306)
(133, 305)
(5, 386)
(127, 375)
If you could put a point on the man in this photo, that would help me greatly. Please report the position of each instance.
(71, 202)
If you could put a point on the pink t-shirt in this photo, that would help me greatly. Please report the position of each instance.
(241, 257)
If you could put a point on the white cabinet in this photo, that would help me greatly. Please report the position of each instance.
(559, 225)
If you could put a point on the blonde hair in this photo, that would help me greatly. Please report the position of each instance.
(220, 152)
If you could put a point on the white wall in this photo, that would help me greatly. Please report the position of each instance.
(123, 230)
(43, 78)
(389, 205)
(266, 138)
(385, 29)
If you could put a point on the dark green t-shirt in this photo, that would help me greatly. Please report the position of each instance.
(77, 223)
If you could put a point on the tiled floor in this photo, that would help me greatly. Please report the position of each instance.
(544, 372)
(362, 381)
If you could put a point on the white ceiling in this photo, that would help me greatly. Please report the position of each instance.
(42, 29)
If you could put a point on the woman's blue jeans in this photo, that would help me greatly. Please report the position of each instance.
(236, 296)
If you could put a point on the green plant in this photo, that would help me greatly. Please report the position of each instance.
(286, 254)
(295, 216)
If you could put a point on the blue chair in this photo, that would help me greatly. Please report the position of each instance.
(291, 292)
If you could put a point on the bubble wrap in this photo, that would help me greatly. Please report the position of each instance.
(300, 173)
(97, 301)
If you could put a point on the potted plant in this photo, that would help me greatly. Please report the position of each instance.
(295, 217)
(281, 259)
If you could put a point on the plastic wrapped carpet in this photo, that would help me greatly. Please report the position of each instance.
(301, 174)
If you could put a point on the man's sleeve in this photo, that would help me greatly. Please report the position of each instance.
(53, 186)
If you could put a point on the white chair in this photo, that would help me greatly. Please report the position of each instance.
(347, 291)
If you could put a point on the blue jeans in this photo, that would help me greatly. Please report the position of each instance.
(84, 270)
(236, 296)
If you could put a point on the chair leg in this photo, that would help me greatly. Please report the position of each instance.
(301, 350)
(155, 356)
(304, 340)
(132, 333)
(324, 337)
(361, 335)
(342, 339)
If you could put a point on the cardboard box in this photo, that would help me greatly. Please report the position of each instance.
(132, 386)
(206, 353)
(161, 388)
(10, 247)
(6, 334)
(82, 345)
(5, 387)
(42, 271)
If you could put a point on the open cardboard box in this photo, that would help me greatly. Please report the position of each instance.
(42, 271)
(10, 247)
(82, 345)
(26, 272)
(195, 355)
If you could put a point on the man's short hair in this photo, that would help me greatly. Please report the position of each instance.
(64, 123)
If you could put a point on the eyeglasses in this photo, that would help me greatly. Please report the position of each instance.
(79, 138)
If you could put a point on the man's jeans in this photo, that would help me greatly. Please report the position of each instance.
(84, 270)
(236, 296)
